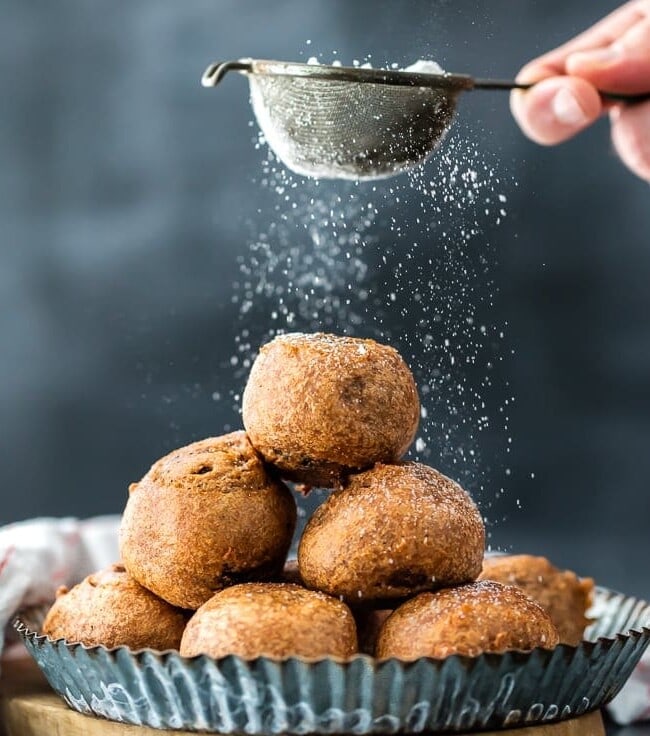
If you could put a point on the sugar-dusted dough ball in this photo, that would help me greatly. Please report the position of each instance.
(390, 532)
(318, 406)
(110, 608)
(471, 619)
(204, 517)
(564, 595)
(271, 619)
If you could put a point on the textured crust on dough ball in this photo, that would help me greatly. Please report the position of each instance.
(204, 517)
(318, 406)
(469, 620)
(110, 608)
(276, 620)
(390, 532)
(561, 593)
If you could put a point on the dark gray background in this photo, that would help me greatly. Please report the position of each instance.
(125, 192)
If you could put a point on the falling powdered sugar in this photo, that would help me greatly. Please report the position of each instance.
(408, 262)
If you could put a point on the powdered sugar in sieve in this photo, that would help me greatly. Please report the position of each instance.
(333, 128)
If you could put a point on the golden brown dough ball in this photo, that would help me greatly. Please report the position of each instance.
(561, 593)
(110, 608)
(271, 619)
(390, 532)
(471, 619)
(204, 517)
(319, 406)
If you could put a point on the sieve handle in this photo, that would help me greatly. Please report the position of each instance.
(608, 96)
(216, 72)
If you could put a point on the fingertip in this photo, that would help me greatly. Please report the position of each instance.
(532, 72)
(555, 109)
(629, 136)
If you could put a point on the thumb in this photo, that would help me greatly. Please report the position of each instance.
(555, 109)
(623, 66)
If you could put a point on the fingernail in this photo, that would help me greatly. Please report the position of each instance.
(567, 110)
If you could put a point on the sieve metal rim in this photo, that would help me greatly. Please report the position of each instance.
(451, 82)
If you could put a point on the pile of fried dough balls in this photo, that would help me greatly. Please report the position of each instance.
(391, 564)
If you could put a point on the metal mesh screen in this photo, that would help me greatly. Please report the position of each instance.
(346, 130)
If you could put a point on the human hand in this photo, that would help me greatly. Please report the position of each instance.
(613, 55)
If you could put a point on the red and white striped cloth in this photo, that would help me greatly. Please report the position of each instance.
(39, 555)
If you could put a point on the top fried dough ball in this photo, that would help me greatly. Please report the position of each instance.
(471, 619)
(319, 406)
(390, 532)
(273, 620)
(111, 609)
(562, 594)
(204, 517)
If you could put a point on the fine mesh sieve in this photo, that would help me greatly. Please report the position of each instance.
(353, 122)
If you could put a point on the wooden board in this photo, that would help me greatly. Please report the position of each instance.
(28, 707)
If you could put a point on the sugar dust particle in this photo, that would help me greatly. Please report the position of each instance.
(353, 259)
